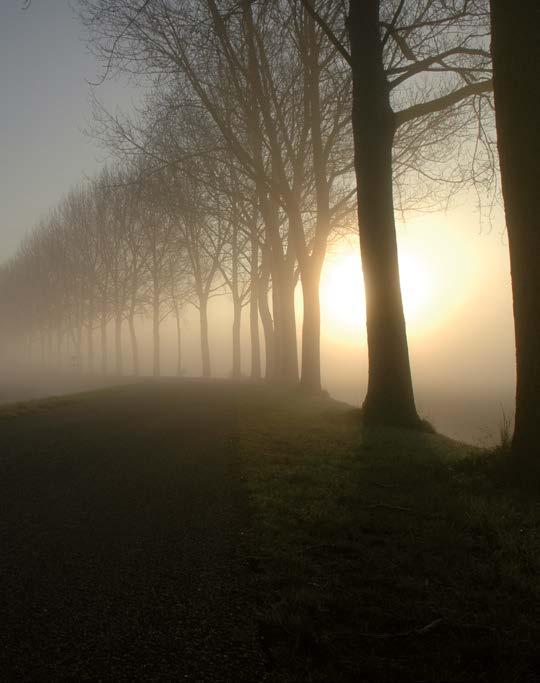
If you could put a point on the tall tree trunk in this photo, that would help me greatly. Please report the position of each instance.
(156, 336)
(516, 67)
(268, 327)
(28, 350)
(59, 338)
(205, 346)
(254, 312)
(90, 338)
(134, 344)
(285, 345)
(118, 342)
(311, 266)
(310, 381)
(42, 347)
(236, 349)
(178, 341)
(103, 329)
(389, 398)
(254, 336)
(77, 344)
(49, 347)
(289, 359)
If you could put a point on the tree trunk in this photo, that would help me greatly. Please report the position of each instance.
(254, 313)
(59, 338)
(285, 346)
(49, 348)
(268, 328)
(236, 349)
(156, 338)
(90, 338)
(178, 341)
(310, 381)
(77, 344)
(254, 337)
(28, 350)
(103, 341)
(205, 347)
(134, 345)
(516, 65)
(390, 398)
(311, 266)
(118, 342)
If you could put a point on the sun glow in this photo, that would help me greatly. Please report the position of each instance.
(428, 290)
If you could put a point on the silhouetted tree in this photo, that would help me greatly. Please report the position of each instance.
(392, 44)
(516, 69)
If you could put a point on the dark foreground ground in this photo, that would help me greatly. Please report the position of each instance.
(122, 533)
(219, 532)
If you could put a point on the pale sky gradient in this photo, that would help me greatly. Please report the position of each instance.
(44, 66)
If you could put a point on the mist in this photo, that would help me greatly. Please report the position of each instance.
(461, 344)
(269, 340)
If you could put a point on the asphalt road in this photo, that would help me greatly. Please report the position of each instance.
(123, 527)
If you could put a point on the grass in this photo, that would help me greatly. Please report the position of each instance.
(386, 555)
(378, 555)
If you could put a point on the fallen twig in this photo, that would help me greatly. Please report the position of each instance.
(385, 506)
(405, 634)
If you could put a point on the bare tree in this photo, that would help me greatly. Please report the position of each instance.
(410, 61)
(260, 84)
(516, 63)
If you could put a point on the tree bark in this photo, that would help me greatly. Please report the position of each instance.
(90, 338)
(311, 266)
(268, 327)
(516, 66)
(59, 338)
(118, 342)
(103, 341)
(254, 312)
(178, 341)
(134, 345)
(77, 344)
(236, 348)
(310, 381)
(205, 347)
(156, 336)
(42, 347)
(390, 398)
(49, 348)
(285, 344)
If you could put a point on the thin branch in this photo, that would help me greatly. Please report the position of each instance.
(330, 34)
(392, 26)
(116, 41)
(433, 106)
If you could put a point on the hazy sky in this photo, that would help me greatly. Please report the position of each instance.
(43, 109)
(455, 272)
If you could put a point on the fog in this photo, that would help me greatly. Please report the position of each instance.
(454, 264)
(460, 332)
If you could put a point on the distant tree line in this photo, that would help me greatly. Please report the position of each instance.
(120, 247)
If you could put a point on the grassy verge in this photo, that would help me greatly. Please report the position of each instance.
(43, 405)
(386, 555)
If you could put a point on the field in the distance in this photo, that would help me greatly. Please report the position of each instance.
(216, 530)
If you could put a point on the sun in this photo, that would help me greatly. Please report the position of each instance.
(343, 296)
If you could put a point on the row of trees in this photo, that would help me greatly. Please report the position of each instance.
(275, 82)
(127, 245)
(247, 123)
(251, 102)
